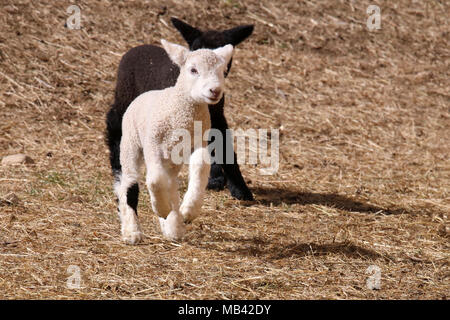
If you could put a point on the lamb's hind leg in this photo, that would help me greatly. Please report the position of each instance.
(198, 179)
(127, 191)
(163, 190)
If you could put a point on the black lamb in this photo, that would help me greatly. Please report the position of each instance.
(148, 67)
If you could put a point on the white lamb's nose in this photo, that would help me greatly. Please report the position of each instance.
(215, 92)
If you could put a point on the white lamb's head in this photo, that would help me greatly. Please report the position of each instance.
(201, 71)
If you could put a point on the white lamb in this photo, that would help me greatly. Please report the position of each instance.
(149, 134)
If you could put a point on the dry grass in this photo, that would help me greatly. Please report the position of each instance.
(364, 171)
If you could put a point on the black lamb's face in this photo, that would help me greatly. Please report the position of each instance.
(209, 40)
(212, 39)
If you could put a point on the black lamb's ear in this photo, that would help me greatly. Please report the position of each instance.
(238, 34)
(188, 32)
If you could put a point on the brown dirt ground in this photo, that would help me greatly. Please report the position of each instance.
(364, 160)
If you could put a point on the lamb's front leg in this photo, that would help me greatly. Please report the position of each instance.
(198, 179)
(163, 191)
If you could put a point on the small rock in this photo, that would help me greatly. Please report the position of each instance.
(19, 158)
(9, 199)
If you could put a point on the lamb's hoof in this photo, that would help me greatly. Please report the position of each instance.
(241, 194)
(133, 237)
(189, 213)
(174, 234)
(173, 227)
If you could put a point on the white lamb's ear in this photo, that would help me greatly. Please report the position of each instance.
(176, 52)
(225, 52)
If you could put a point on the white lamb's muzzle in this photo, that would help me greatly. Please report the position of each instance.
(213, 99)
(213, 94)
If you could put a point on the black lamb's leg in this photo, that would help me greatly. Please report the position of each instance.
(230, 171)
(216, 180)
(235, 182)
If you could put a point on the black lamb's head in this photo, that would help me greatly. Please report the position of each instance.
(211, 39)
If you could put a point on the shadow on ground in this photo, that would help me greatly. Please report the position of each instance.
(278, 196)
(258, 247)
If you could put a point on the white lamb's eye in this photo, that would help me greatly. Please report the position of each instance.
(194, 71)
